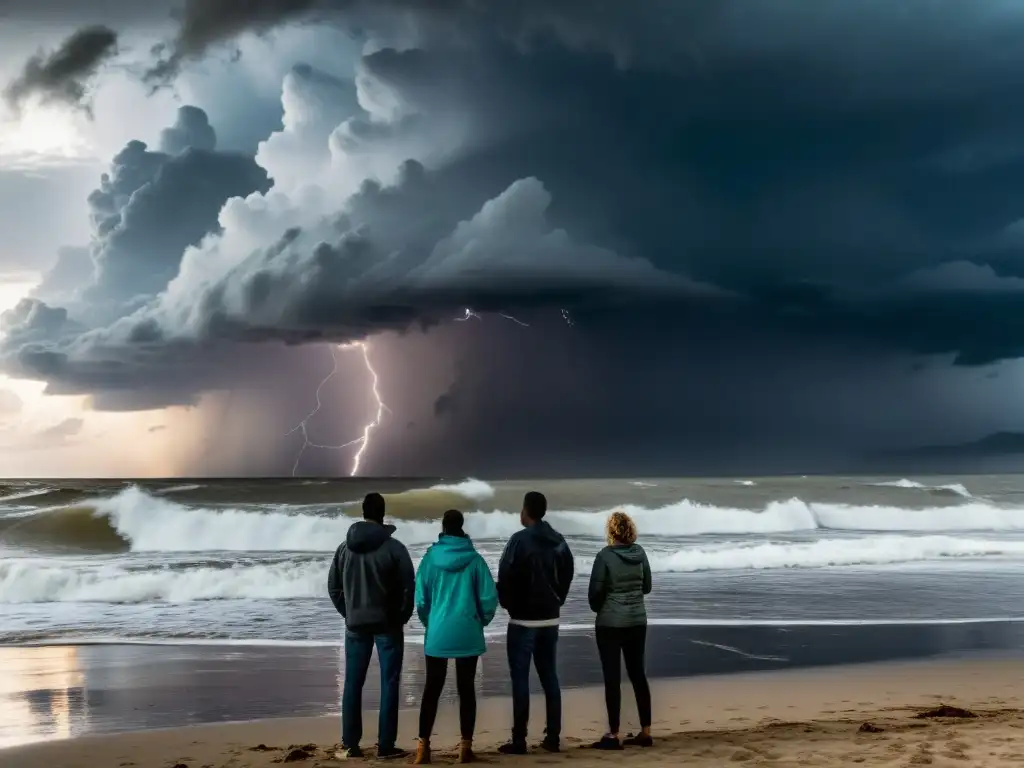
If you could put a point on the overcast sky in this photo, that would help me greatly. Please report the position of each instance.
(731, 236)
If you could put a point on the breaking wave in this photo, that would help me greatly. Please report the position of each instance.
(40, 582)
(952, 489)
(429, 503)
(875, 550)
(474, 490)
(136, 521)
(46, 581)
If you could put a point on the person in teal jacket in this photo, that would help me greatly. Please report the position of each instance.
(455, 599)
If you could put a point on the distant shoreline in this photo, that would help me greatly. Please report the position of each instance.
(889, 471)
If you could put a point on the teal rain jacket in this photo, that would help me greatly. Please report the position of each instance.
(455, 598)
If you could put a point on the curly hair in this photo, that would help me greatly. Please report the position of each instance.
(621, 529)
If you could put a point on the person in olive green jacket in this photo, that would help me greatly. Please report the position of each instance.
(618, 583)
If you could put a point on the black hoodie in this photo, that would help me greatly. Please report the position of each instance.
(372, 582)
(534, 574)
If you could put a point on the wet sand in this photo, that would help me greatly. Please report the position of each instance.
(811, 717)
(63, 692)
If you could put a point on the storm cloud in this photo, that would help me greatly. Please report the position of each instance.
(146, 211)
(732, 188)
(63, 75)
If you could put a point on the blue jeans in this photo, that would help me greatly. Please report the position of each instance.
(540, 645)
(358, 650)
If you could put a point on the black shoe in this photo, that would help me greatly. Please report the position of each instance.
(347, 753)
(513, 748)
(550, 745)
(638, 741)
(391, 753)
(607, 742)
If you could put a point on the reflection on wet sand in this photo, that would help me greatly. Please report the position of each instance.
(62, 692)
(42, 695)
(49, 693)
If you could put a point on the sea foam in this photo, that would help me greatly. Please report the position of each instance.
(148, 523)
(40, 580)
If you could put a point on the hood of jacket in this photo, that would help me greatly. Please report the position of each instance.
(631, 554)
(452, 553)
(545, 536)
(365, 536)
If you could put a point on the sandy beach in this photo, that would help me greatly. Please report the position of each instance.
(869, 714)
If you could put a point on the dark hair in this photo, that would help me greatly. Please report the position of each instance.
(452, 522)
(535, 504)
(373, 507)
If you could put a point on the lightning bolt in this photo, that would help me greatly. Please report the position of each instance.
(470, 314)
(363, 441)
(368, 429)
(515, 320)
(370, 426)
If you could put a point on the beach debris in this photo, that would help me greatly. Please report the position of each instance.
(263, 748)
(870, 728)
(945, 710)
(298, 752)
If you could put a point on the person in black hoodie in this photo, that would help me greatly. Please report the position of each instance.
(372, 585)
(533, 582)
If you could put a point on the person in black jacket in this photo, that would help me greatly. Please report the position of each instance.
(372, 585)
(533, 582)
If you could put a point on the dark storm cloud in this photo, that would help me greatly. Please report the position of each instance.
(153, 205)
(148, 209)
(204, 24)
(505, 256)
(63, 75)
(753, 177)
(33, 320)
(658, 32)
(710, 177)
(62, 12)
(192, 130)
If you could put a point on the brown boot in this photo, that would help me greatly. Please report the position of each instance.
(466, 751)
(422, 753)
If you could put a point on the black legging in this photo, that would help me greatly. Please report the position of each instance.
(630, 642)
(465, 677)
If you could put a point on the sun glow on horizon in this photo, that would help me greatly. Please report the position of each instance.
(42, 135)
(102, 444)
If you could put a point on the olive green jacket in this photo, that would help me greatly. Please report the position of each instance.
(618, 583)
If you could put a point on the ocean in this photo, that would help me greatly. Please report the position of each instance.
(244, 562)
